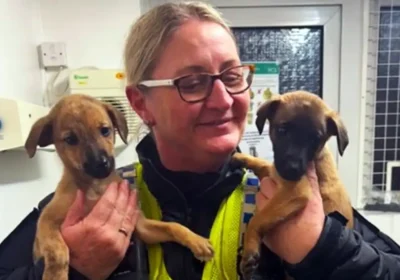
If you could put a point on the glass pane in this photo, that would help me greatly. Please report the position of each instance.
(387, 106)
(297, 49)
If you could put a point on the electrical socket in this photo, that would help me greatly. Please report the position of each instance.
(52, 55)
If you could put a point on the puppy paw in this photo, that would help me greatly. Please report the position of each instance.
(201, 248)
(56, 260)
(249, 264)
(49, 274)
(238, 160)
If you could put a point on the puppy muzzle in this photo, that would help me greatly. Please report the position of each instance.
(291, 170)
(98, 164)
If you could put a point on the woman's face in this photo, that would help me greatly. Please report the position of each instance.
(213, 127)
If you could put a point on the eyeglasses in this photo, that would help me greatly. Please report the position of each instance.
(198, 87)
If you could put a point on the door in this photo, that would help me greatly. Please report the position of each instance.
(303, 41)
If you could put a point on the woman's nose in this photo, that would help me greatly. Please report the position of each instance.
(219, 98)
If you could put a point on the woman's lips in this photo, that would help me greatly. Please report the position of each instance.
(216, 122)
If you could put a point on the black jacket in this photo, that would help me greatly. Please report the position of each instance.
(193, 200)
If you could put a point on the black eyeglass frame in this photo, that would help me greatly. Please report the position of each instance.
(175, 82)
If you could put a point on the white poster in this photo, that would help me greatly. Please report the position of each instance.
(265, 84)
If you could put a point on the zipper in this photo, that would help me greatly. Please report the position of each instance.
(186, 258)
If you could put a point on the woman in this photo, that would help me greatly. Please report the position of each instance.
(182, 67)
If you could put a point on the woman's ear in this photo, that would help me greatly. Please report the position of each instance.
(137, 100)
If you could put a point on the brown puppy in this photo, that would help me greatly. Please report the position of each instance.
(82, 130)
(300, 125)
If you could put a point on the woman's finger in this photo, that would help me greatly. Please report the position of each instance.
(312, 176)
(129, 221)
(267, 187)
(134, 217)
(77, 210)
(261, 201)
(120, 206)
(266, 192)
(104, 207)
(130, 218)
(311, 172)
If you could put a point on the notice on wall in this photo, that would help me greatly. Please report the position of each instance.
(265, 85)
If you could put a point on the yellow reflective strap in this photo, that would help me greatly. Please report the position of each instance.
(224, 236)
(151, 210)
(225, 239)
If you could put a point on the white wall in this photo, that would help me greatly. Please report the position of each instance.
(22, 182)
(94, 32)
(20, 31)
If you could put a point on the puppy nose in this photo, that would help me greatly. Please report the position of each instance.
(293, 170)
(103, 162)
(292, 166)
(98, 164)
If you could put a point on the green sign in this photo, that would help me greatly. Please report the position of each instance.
(267, 68)
(79, 77)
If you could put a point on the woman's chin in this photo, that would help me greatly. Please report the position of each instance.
(222, 145)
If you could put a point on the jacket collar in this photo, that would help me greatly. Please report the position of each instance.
(185, 190)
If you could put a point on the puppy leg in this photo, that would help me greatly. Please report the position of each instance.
(49, 243)
(152, 231)
(260, 167)
(333, 193)
(290, 199)
(50, 246)
(337, 200)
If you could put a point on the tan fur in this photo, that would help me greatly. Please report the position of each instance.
(85, 115)
(292, 197)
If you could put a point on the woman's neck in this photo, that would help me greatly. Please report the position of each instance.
(174, 159)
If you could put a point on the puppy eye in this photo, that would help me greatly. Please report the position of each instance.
(316, 139)
(281, 129)
(71, 139)
(105, 131)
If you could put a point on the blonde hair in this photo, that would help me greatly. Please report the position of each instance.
(149, 34)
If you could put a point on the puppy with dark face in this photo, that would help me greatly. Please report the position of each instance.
(82, 130)
(300, 125)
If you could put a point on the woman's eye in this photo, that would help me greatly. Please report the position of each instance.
(190, 85)
(193, 83)
(232, 78)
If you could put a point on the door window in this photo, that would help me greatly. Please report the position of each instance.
(299, 51)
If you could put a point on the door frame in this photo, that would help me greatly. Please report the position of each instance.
(350, 95)
(326, 16)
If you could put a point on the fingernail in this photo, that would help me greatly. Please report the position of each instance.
(133, 192)
(125, 184)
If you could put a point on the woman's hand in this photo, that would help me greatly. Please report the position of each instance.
(295, 238)
(95, 243)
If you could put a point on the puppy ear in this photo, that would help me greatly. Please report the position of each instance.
(266, 112)
(119, 121)
(41, 134)
(335, 126)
